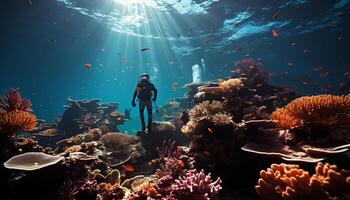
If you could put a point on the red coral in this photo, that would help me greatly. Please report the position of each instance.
(13, 101)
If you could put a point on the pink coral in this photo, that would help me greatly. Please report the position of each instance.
(196, 186)
(13, 101)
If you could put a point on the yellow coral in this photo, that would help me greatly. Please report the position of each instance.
(231, 84)
(16, 121)
(284, 181)
(324, 110)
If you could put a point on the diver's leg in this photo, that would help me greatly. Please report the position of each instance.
(149, 112)
(142, 117)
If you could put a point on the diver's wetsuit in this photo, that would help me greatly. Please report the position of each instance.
(144, 91)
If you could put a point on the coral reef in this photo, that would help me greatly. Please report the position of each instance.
(82, 115)
(287, 181)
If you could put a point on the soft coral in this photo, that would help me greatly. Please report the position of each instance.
(13, 101)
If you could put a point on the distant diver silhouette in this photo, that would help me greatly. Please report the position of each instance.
(144, 92)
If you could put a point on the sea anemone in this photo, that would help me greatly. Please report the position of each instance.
(196, 186)
(13, 101)
(286, 181)
(325, 110)
(17, 121)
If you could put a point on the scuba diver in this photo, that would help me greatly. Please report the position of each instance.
(144, 91)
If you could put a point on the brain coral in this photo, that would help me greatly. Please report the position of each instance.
(326, 110)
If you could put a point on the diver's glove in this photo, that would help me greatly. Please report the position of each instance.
(133, 103)
(154, 99)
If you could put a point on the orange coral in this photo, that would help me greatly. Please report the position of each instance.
(16, 121)
(286, 181)
(324, 110)
(233, 83)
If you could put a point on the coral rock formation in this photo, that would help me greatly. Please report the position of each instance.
(286, 181)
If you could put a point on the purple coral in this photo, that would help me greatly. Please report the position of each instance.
(196, 186)
(13, 101)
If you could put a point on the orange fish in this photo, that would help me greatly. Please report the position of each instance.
(207, 153)
(275, 15)
(128, 168)
(324, 75)
(26, 140)
(211, 131)
(318, 68)
(87, 65)
(274, 33)
(259, 85)
(49, 132)
(34, 137)
(181, 163)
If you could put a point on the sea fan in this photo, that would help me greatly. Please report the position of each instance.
(13, 101)
(17, 121)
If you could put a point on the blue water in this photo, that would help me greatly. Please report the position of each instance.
(44, 45)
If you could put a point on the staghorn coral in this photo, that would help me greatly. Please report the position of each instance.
(196, 186)
(325, 110)
(17, 121)
(285, 181)
(13, 101)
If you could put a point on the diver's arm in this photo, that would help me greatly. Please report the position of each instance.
(134, 96)
(155, 93)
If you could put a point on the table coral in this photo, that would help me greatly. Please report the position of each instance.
(286, 181)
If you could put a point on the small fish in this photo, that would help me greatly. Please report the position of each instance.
(125, 59)
(119, 118)
(27, 140)
(305, 83)
(152, 162)
(274, 33)
(181, 163)
(114, 114)
(306, 50)
(87, 65)
(34, 137)
(210, 130)
(290, 64)
(340, 37)
(207, 153)
(259, 85)
(49, 132)
(275, 15)
(29, 2)
(145, 49)
(347, 73)
(128, 168)
(318, 68)
(324, 75)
